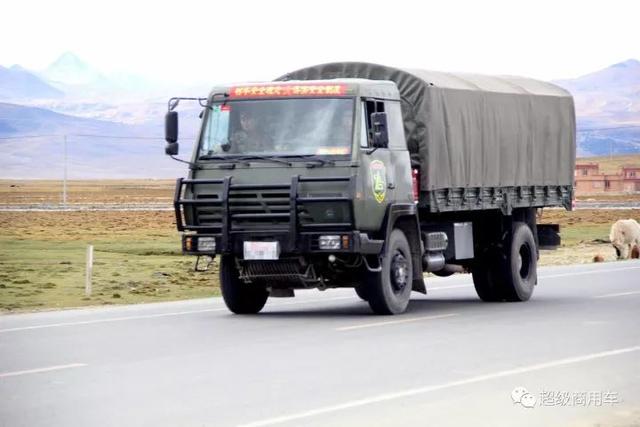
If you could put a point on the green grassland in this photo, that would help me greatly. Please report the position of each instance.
(44, 267)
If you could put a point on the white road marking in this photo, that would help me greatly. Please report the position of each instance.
(549, 276)
(620, 294)
(394, 322)
(430, 388)
(152, 316)
(38, 370)
(180, 313)
(444, 288)
(580, 273)
(352, 297)
(111, 319)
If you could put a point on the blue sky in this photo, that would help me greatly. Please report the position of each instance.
(216, 41)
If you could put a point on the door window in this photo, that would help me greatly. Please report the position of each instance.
(369, 107)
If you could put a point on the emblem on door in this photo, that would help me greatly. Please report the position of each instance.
(378, 173)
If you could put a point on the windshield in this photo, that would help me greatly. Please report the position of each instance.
(283, 127)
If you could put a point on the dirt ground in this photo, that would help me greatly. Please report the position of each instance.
(585, 234)
(86, 192)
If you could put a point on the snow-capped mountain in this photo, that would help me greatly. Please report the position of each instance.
(69, 70)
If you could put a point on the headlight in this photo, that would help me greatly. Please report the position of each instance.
(206, 244)
(331, 242)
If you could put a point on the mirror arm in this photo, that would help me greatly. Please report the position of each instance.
(191, 164)
(173, 102)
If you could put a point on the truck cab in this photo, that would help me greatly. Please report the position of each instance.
(296, 185)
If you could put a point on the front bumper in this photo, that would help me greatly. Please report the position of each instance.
(220, 198)
(305, 243)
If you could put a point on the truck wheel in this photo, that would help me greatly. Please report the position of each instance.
(442, 273)
(389, 289)
(240, 298)
(361, 291)
(522, 263)
(508, 273)
(486, 279)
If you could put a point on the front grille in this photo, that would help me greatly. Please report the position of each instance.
(249, 209)
(209, 215)
(219, 206)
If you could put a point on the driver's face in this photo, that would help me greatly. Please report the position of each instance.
(247, 122)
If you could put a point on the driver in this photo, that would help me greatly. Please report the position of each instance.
(250, 137)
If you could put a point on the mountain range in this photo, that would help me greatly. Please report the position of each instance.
(96, 149)
(607, 109)
(17, 82)
(124, 114)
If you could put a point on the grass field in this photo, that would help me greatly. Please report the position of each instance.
(137, 259)
(137, 253)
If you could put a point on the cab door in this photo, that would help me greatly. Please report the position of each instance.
(378, 183)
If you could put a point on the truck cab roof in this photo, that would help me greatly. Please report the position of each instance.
(348, 87)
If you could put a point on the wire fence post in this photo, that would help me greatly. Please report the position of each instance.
(88, 271)
(64, 181)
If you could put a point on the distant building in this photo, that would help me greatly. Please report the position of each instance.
(589, 180)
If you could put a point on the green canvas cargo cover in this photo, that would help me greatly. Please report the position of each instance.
(466, 130)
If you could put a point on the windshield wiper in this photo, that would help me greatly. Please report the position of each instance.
(258, 157)
(312, 158)
(244, 159)
(214, 157)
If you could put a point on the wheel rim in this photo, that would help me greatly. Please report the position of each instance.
(524, 261)
(399, 272)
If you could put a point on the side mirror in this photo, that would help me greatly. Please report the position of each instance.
(171, 149)
(379, 127)
(171, 127)
(171, 133)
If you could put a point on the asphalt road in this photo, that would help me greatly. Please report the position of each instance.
(323, 359)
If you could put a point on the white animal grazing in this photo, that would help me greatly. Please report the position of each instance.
(625, 234)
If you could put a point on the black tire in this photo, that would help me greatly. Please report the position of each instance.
(240, 298)
(521, 274)
(443, 273)
(389, 290)
(508, 272)
(486, 279)
(361, 292)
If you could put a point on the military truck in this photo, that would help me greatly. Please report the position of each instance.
(367, 176)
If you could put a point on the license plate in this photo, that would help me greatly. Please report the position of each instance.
(261, 250)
